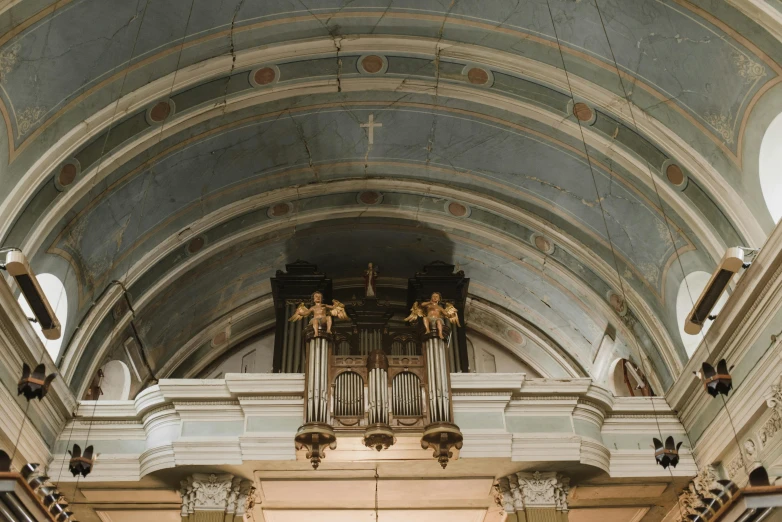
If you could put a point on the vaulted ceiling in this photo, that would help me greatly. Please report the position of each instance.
(575, 159)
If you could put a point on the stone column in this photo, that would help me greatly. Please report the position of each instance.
(534, 497)
(215, 498)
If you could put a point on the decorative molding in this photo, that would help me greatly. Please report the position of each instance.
(270, 408)
(736, 466)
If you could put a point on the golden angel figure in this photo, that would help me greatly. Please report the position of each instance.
(321, 313)
(433, 313)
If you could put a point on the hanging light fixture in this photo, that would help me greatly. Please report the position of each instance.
(667, 454)
(716, 381)
(36, 383)
(81, 464)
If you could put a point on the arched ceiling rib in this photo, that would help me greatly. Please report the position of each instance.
(475, 109)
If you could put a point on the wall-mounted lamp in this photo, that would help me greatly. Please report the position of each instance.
(731, 263)
(16, 265)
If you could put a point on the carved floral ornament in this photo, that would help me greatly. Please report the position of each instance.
(691, 499)
(773, 425)
(224, 493)
(520, 491)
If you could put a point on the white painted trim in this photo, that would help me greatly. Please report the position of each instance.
(240, 396)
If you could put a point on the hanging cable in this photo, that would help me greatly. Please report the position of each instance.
(605, 222)
(668, 223)
(597, 191)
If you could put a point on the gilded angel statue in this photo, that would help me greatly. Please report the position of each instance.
(433, 313)
(321, 313)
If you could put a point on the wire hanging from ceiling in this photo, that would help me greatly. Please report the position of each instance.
(594, 182)
(668, 223)
(605, 222)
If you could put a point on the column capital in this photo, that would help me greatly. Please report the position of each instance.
(223, 493)
(691, 499)
(522, 491)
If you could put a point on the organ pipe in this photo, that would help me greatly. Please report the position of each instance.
(317, 434)
(378, 434)
(441, 434)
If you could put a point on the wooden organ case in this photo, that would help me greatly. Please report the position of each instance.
(374, 373)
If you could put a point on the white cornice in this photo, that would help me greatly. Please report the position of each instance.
(278, 399)
(494, 382)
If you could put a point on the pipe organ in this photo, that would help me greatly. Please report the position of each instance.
(373, 373)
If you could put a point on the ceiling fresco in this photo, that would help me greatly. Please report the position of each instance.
(612, 130)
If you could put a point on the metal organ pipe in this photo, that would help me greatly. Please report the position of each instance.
(316, 435)
(317, 380)
(437, 372)
(296, 346)
(310, 385)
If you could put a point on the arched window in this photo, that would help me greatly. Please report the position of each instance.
(689, 291)
(116, 381)
(770, 168)
(54, 291)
